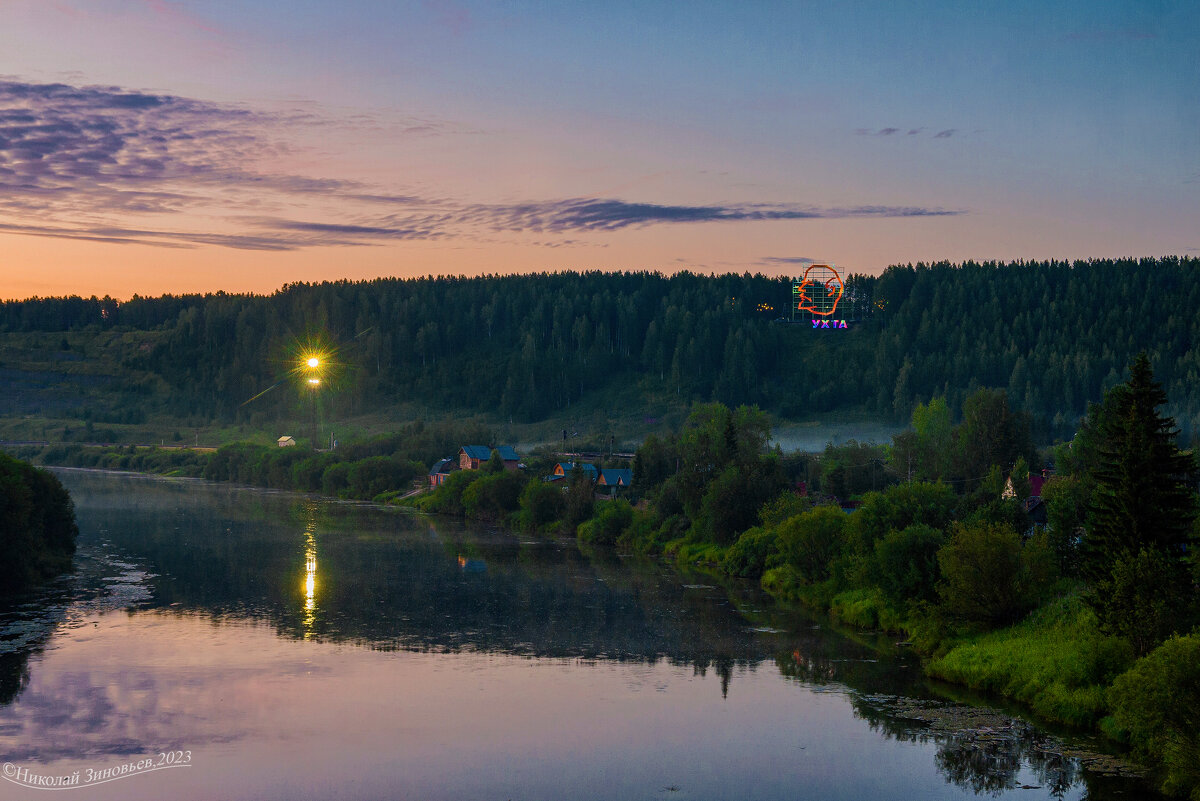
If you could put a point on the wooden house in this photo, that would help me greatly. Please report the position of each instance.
(615, 477)
(562, 470)
(473, 457)
(509, 455)
(440, 471)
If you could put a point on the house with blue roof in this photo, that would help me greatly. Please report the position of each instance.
(563, 469)
(440, 470)
(473, 457)
(615, 477)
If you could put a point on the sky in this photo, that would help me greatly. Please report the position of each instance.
(152, 146)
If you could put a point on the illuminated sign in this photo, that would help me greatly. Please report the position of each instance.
(829, 324)
(818, 292)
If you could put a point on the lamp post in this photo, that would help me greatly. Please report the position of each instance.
(313, 383)
(313, 364)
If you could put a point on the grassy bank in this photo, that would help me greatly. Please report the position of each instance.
(1056, 661)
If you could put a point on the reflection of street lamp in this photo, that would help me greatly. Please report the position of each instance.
(310, 572)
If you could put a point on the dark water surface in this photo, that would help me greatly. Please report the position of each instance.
(296, 648)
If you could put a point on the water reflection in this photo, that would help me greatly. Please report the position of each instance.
(191, 555)
(987, 752)
(310, 570)
(14, 674)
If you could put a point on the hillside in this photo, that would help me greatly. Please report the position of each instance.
(637, 345)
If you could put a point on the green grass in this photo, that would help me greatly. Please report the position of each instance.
(1056, 661)
(867, 609)
(695, 553)
(786, 584)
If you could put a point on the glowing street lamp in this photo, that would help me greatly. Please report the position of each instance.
(313, 363)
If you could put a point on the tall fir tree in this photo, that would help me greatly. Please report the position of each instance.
(1145, 491)
(1140, 516)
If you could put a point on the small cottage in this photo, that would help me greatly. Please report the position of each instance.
(473, 457)
(285, 441)
(615, 477)
(509, 455)
(563, 470)
(440, 471)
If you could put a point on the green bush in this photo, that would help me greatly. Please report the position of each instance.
(866, 608)
(542, 504)
(781, 582)
(1145, 598)
(753, 552)
(610, 523)
(785, 505)
(447, 499)
(1057, 661)
(1157, 704)
(580, 500)
(899, 507)
(906, 563)
(643, 534)
(988, 577)
(37, 525)
(811, 541)
(335, 479)
(492, 496)
(1066, 499)
(307, 473)
(369, 477)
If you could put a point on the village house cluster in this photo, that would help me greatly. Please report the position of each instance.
(607, 480)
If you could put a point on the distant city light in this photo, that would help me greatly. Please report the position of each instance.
(314, 381)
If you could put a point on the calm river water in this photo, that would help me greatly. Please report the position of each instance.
(255, 645)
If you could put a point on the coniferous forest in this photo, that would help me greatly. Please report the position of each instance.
(1054, 335)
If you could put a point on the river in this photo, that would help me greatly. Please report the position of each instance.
(229, 643)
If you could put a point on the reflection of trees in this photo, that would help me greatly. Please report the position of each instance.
(991, 763)
(14, 675)
(977, 750)
(392, 580)
(26, 622)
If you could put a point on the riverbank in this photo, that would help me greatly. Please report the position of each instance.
(1054, 659)
(1055, 662)
(37, 526)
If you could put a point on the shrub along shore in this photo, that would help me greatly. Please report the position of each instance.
(1069, 588)
(37, 526)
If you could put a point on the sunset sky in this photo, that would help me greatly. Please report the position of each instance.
(149, 146)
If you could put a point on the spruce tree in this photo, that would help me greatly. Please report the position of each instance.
(1140, 516)
(1145, 493)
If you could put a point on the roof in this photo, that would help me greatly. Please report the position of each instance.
(507, 453)
(481, 452)
(616, 477)
(284, 438)
(441, 466)
(567, 467)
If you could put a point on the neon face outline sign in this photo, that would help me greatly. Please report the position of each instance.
(819, 291)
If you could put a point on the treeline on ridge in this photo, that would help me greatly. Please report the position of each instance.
(1055, 335)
